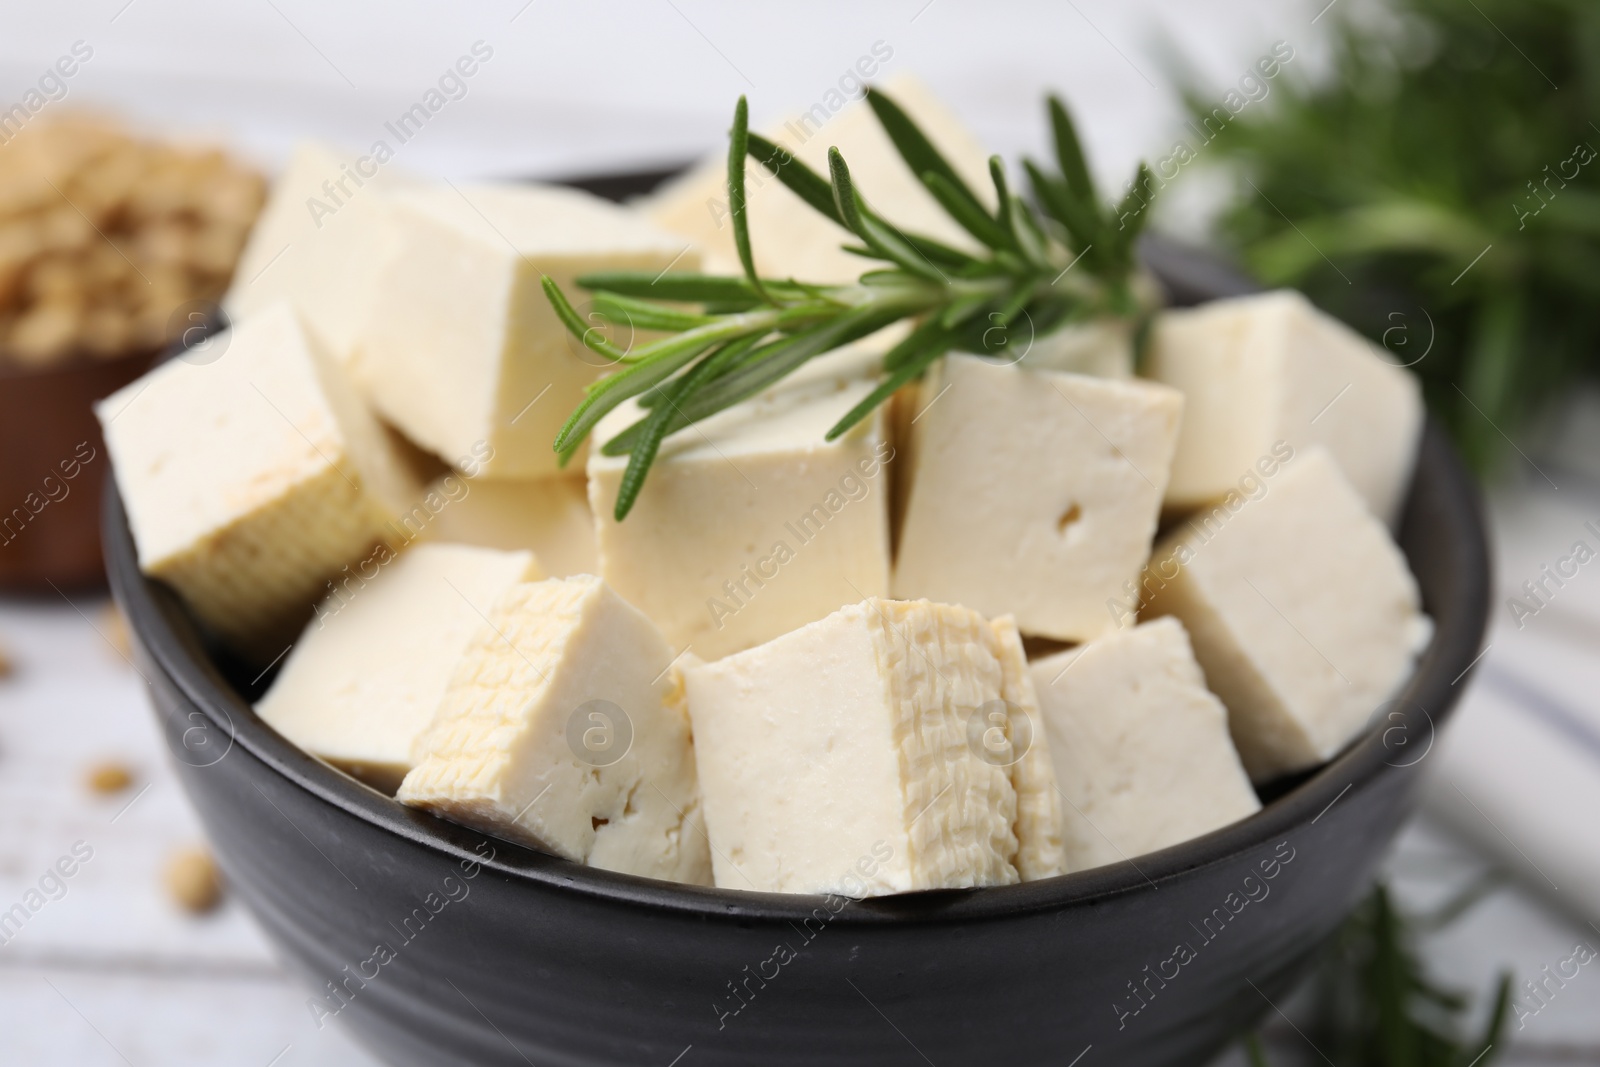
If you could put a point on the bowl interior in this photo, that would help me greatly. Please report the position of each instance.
(1442, 535)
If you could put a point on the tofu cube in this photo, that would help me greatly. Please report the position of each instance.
(252, 479)
(1302, 613)
(1258, 370)
(1033, 493)
(550, 516)
(563, 727)
(750, 524)
(321, 243)
(848, 756)
(368, 674)
(462, 348)
(790, 238)
(1141, 747)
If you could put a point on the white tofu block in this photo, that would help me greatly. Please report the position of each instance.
(1257, 370)
(1033, 493)
(550, 516)
(1302, 613)
(1101, 347)
(1025, 750)
(321, 243)
(791, 239)
(750, 524)
(252, 479)
(844, 757)
(463, 348)
(368, 674)
(563, 727)
(1141, 747)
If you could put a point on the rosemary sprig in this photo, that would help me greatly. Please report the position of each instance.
(729, 338)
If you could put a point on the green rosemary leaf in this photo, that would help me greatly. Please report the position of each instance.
(896, 248)
(644, 315)
(974, 219)
(728, 356)
(1069, 155)
(1132, 213)
(800, 179)
(933, 344)
(738, 143)
(912, 344)
(1082, 226)
(653, 364)
(919, 152)
(961, 309)
(683, 287)
(656, 426)
(590, 335)
(1002, 194)
(845, 200)
(777, 361)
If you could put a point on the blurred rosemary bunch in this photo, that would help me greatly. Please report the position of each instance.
(1058, 258)
(1437, 190)
(1374, 1004)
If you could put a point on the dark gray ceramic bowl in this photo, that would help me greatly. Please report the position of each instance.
(492, 953)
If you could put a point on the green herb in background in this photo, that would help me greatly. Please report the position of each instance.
(730, 337)
(1374, 1005)
(1445, 132)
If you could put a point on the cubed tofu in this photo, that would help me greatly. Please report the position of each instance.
(847, 757)
(321, 243)
(368, 674)
(789, 237)
(563, 728)
(1018, 739)
(750, 523)
(550, 516)
(1258, 370)
(463, 349)
(1301, 609)
(252, 478)
(1140, 745)
(1033, 493)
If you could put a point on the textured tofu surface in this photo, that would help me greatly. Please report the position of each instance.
(369, 672)
(1256, 370)
(1039, 828)
(791, 239)
(837, 758)
(1140, 746)
(463, 348)
(550, 516)
(751, 524)
(250, 481)
(1033, 493)
(323, 250)
(1302, 612)
(562, 727)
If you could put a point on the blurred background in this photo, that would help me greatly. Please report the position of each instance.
(1421, 168)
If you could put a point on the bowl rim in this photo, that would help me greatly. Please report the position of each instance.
(171, 643)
